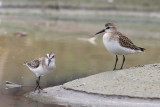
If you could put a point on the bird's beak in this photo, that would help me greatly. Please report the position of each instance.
(103, 30)
(49, 61)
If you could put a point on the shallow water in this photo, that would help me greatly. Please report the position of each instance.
(74, 59)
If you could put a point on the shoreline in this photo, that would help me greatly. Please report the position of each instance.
(136, 86)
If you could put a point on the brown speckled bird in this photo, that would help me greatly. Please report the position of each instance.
(42, 66)
(118, 44)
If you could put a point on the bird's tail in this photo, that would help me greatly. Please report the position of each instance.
(142, 49)
(25, 63)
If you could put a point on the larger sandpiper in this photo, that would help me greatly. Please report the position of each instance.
(42, 66)
(118, 44)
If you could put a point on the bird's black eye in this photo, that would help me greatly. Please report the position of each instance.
(108, 27)
(53, 56)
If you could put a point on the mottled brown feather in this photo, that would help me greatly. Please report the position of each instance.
(34, 64)
(127, 43)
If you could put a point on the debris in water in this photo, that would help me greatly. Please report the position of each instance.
(90, 40)
(12, 85)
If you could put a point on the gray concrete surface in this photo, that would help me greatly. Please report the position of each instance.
(137, 86)
(141, 82)
(70, 98)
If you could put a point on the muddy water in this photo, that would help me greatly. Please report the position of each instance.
(74, 59)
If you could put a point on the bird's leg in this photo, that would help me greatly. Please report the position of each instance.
(115, 63)
(39, 87)
(123, 62)
(37, 84)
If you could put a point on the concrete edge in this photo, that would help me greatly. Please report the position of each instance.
(61, 96)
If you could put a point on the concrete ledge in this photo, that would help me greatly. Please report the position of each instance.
(137, 86)
(141, 82)
(59, 95)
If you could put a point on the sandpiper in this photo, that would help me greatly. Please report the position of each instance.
(42, 66)
(118, 44)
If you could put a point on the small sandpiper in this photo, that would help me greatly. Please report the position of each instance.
(42, 66)
(118, 44)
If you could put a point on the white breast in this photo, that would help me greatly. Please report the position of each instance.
(114, 47)
(38, 71)
(43, 70)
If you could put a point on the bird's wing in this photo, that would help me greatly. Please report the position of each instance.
(34, 64)
(127, 43)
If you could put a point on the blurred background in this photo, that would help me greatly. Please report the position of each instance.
(31, 28)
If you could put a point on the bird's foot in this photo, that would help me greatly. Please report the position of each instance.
(115, 69)
(40, 91)
(40, 88)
